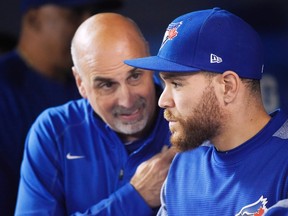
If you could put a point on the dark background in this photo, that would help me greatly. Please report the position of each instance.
(268, 17)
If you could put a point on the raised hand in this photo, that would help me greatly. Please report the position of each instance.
(151, 174)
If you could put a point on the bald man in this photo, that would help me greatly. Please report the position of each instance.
(81, 158)
(36, 75)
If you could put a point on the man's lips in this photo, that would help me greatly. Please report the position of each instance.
(171, 120)
(130, 116)
(172, 123)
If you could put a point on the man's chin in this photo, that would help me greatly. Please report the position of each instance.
(131, 128)
(175, 139)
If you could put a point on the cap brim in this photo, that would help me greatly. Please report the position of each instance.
(156, 63)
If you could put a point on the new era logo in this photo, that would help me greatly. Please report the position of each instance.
(215, 59)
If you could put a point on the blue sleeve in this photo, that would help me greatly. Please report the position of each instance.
(125, 201)
(41, 190)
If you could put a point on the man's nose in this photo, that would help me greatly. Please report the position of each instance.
(125, 96)
(165, 100)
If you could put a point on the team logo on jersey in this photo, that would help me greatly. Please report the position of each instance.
(171, 32)
(255, 209)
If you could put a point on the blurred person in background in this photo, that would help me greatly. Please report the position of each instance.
(37, 75)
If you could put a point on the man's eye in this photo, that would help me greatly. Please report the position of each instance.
(135, 76)
(175, 84)
(105, 85)
(134, 79)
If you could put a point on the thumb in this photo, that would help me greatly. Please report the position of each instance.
(168, 153)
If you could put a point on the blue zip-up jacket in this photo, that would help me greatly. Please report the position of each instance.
(76, 164)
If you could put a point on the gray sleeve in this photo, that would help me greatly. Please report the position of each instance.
(163, 210)
(280, 208)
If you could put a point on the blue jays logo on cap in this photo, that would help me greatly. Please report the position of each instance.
(171, 32)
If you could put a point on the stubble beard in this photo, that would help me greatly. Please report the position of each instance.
(133, 127)
(204, 123)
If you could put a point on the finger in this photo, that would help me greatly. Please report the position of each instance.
(169, 154)
(164, 148)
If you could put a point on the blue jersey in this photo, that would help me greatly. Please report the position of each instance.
(24, 94)
(243, 181)
(74, 162)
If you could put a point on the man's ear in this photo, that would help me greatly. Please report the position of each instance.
(231, 82)
(79, 83)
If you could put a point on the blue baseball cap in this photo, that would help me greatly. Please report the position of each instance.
(103, 4)
(212, 40)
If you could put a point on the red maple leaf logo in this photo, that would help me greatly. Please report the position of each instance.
(260, 212)
(172, 33)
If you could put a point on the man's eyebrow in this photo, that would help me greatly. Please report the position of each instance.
(171, 75)
(105, 79)
(135, 69)
(102, 79)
